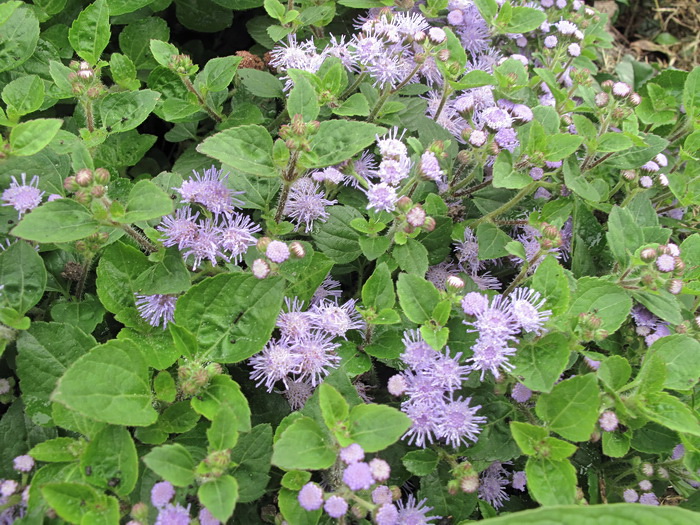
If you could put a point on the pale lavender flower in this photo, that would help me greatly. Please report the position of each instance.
(497, 320)
(307, 203)
(393, 170)
(437, 35)
(310, 497)
(328, 288)
(390, 144)
(630, 496)
(507, 138)
(478, 138)
(210, 191)
(574, 49)
(329, 174)
(490, 354)
(417, 353)
(23, 197)
(415, 513)
(337, 320)
(473, 31)
(492, 485)
(173, 515)
(566, 28)
(162, 493)
(380, 469)
(207, 518)
(23, 463)
(365, 165)
(446, 372)
(536, 173)
(550, 41)
(260, 268)
(643, 317)
(297, 394)
(661, 160)
(485, 281)
(522, 112)
(458, 422)
(8, 487)
(526, 305)
(358, 476)
(294, 323)
(317, 354)
(156, 309)
(352, 454)
(678, 452)
(520, 393)
(474, 303)
(496, 118)
(467, 252)
(519, 480)
(645, 485)
(430, 167)
(179, 230)
(387, 514)
(651, 167)
(648, 498)
(274, 363)
(439, 273)
(665, 263)
(277, 251)
(608, 421)
(397, 385)
(237, 235)
(335, 507)
(206, 244)
(381, 495)
(425, 419)
(646, 181)
(381, 197)
(4, 386)
(621, 89)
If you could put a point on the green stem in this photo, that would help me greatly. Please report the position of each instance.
(380, 103)
(203, 103)
(89, 117)
(523, 272)
(283, 115)
(508, 205)
(140, 238)
(445, 94)
(85, 270)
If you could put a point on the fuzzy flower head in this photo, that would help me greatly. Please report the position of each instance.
(352, 454)
(23, 197)
(526, 307)
(492, 485)
(277, 251)
(298, 393)
(337, 320)
(310, 497)
(156, 309)
(491, 354)
(358, 476)
(381, 197)
(317, 354)
(306, 204)
(415, 512)
(210, 190)
(162, 493)
(207, 518)
(417, 353)
(275, 363)
(390, 144)
(459, 423)
(294, 323)
(608, 421)
(206, 244)
(237, 235)
(179, 230)
(24, 463)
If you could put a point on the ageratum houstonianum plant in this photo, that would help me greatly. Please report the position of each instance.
(353, 262)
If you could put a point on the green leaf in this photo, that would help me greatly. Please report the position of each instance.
(90, 33)
(293, 512)
(23, 95)
(218, 73)
(121, 7)
(164, 386)
(112, 460)
(577, 182)
(616, 444)
(71, 501)
(681, 355)
(173, 463)
(624, 235)
(123, 71)
(540, 364)
(338, 140)
(561, 145)
(613, 142)
(261, 83)
(528, 437)
(23, 276)
(417, 297)
(551, 482)
(316, 454)
(119, 391)
(434, 487)
(374, 247)
(19, 34)
(85, 314)
(231, 315)
(607, 301)
(670, 412)
(274, 8)
(421, 462)
(219, 496)
(295, 479)
(163, 52)
(62, 220)
(251, 458)
(222, 390)
(492, 241)
(169, 276)
(662, 304)
(335, 239)
(146, 201)
(375, 427)
(247, 148)
(302, 99)
(617, 513)
(124, 111)
(34, 135)
(615, 371)
(57, 450)
(691, 93)
(571, 409)
(505, 177)
(355, 105)
(551, 282)
(654, 439)
(378, 290)
(223, 432)
(412, 257)
(334, 408)
(524, 19)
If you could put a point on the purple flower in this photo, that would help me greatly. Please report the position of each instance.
(439, 273)
(478, 138)
(474, 303)
(446, 372)
(458, 422)
(260, 268)
(574, 49)
(648, 498)
(390, 144)
(352, 454)
(566, 28)
(519, 480)
(298, 393)
(381, 495)
(520, 393)
(393, 170)
(526, 304)
(206, 517)
(417, 353)
(498, 320)
(492, 353)
(387, 514)
(328, 288)
(274, 363)
(237, 235)
(317, 355)
(492, 485)
(630, 496)
(336, 507)
(24, 463)
(522, 112)
(507, 138)
(206, 244)
(277, 251)
(608, 421)
(665, 263)
(306, 204)
(329, 174)
(621, 89)
(23, 197)
(173, 515)
(425, 420)
(381, 197)
(550, 41)
(414, 513)
(678, 452)
(396, 385)
(467, 252)
(294, 323)
(337, 320)
(358, 476)
(430, 167)
(210, 191)
(156, 309)
(179, 230)
(380, 469)
(310, 497)
(496, 118)
(162, 493)
(645, 485)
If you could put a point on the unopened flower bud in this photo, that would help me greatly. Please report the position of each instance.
(83, 197)
(416, 216)
(84, 177)
(602, 99)
(429, 224)
(619, 113)
(98, 191)
(629, 175)
(443, 55)
(85, 74)
(635, 99)
(453, 487)
(404, 203)
(358, 511)
(80, 246)
(260, 268)
(675, 286)
(607, 85)
(94, 92)
(419, 37)
(395, 492)
(140, 512)
(70, 184)
(648, 255)
(297, 249)
(101, 176)
(437, 35)
(463, 157)
(219, 459)
(263, 243)
(679, 265)
(455, 283)
(469, 484)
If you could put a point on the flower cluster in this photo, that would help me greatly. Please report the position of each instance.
(23, 197)
(494, 480)
(305, 351)
(430, 383)
(498, 321)
(307, 203)
(226, 235)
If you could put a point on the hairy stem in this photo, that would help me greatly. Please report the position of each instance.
(508, 205)
(203, 103)
(146, 245)
(84, 272)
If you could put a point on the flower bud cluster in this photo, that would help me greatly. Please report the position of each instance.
(85, 80)
(297, 134)
(193, 377)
